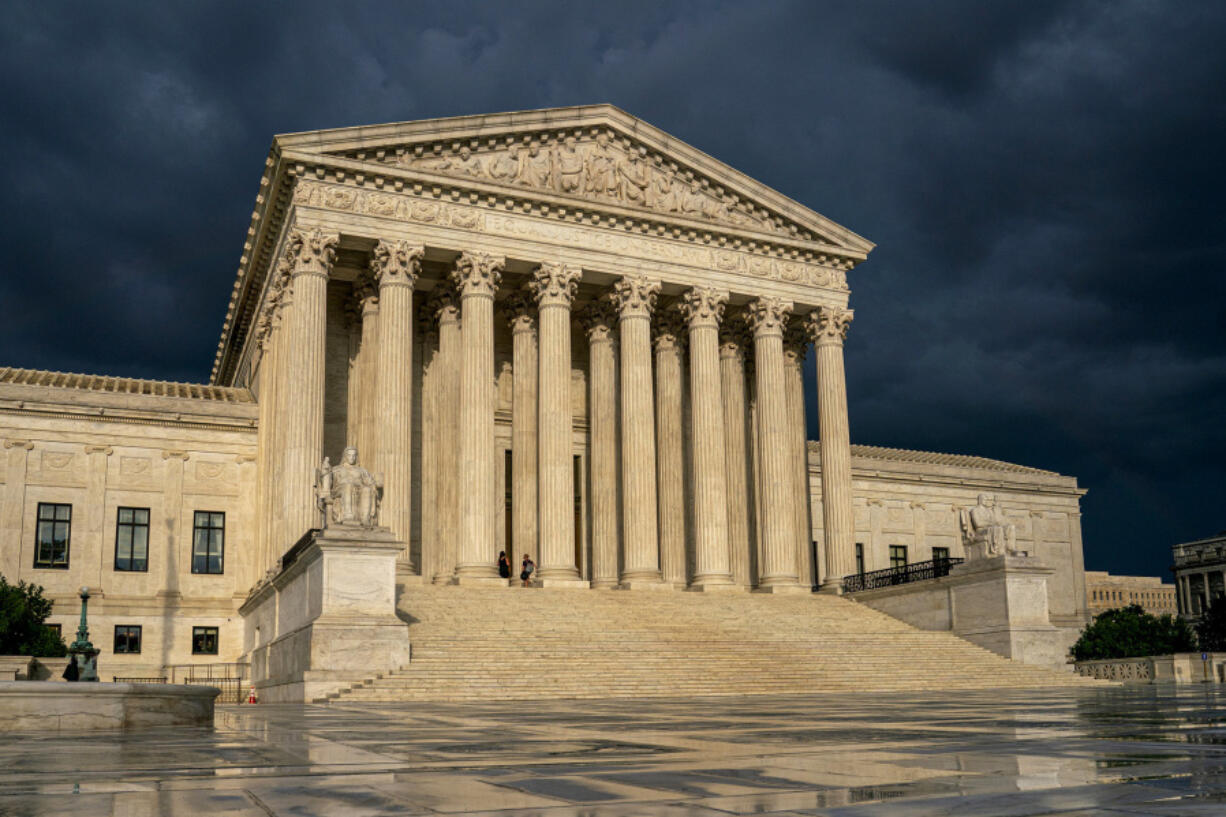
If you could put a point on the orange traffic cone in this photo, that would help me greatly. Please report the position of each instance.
(251, 696)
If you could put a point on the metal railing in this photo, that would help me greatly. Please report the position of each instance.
(228, 677)
(121, 679)
(916, 572)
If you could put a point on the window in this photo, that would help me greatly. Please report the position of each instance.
(132, 539)
(56, 630)
(54, 527)
(859, 558)
(898, 555)
(940, 554)
(204, 641)
(127, 639)
(208, 542)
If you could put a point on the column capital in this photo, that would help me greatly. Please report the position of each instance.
(25, 445)
(554, 284)
(703, 306)
(314, 252)
(795, 340)
(99, 449)
(600, 319)
(829, 324)
(734, 336)
(477, 274)
(767, 316)
(443, 305)
(396, 263)
(176, 455)
(635, 296)
(668, 328)
(520, 311)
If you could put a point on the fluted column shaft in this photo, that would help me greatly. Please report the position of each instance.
(741, 498)
(828, 326)
(636, 298)
(669, 334)
(304, 421)
(794, 347)
(477, 277)
(601, 319)
(368, 405)
(776, 517)
(703, 309)
(396, 266)
(447, 498)
(522, 314)
(429, 443)
(554, 286)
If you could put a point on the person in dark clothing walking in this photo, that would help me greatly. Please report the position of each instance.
(504, 565)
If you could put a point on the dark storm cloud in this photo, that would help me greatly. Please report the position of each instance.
(1043, 180)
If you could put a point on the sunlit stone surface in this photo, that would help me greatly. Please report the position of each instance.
(1095, 753)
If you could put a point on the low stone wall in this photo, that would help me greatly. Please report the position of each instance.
(15, 667)
(1182, 668)
(38, 706)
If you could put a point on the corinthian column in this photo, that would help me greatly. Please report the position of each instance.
(600, 319)
(795, 343)
(396, 265)
(444, 306)
(669, 337)
(703, 308)
(636, 297)
(554, 286)
(273, 384)
(741, 497)
(304, 414)
(828, 326)
(366, 293)
(477, 276)
(776, 516)
(521, 313)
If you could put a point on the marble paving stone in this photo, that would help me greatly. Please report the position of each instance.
(1153, 750)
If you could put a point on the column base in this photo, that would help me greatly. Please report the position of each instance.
(783, 589)
(645, 584)
(481, 581)
(715, 587)
(604, 584)
(832, 588)
(572, 584)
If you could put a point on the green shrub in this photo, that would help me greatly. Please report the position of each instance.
(1211, 629)
(1130, 631)
(23, 616)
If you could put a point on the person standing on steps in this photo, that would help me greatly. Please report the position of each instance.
(504, 565)
(528, 568)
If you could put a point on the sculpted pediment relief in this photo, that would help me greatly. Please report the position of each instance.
(599, 168)
(592, 155)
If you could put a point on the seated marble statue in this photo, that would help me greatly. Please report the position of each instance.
(986, 531)
(347, 493)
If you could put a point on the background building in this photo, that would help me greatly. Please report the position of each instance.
(1200, 573)
(1107, 592)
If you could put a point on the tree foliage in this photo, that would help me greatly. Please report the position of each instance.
(23, 616)
(1211, 629)
(1127, 632)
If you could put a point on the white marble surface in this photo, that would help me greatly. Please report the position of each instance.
(42, 706)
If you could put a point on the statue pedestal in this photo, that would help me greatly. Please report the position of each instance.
(1000, 603)
(328, 618)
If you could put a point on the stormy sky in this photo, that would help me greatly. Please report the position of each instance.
(1044, 181)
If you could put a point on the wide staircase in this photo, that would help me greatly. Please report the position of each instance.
(480, 644)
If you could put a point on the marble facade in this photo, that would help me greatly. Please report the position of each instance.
(560, 333)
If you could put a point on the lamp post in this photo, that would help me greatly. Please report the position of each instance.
(85, 653)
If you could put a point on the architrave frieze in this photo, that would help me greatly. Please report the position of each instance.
(594, 235)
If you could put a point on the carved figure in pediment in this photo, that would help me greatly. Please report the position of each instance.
(693, 202)
(599, 167)
(348, 494)
(986, 531)
(570, 167)
(632, 180)
(662, 192)
(535, 167)
(504, 166)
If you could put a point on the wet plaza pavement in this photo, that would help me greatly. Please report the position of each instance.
(1112, 751)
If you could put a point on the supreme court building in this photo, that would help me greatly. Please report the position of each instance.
(561, 333)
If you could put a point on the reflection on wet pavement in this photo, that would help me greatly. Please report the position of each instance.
(1084, 753)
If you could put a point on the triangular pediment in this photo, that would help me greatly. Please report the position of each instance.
(591, 156)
